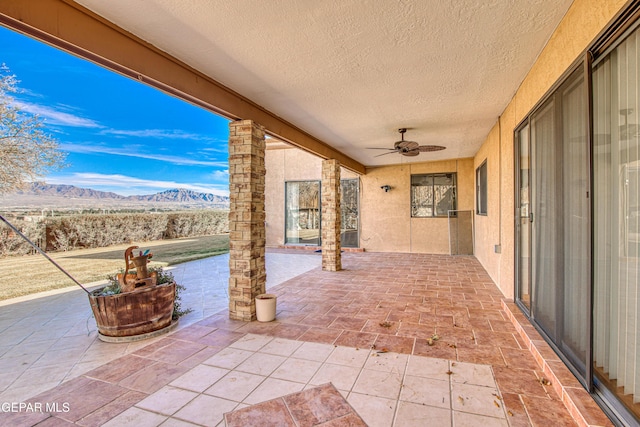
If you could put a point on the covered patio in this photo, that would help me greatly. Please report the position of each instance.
(337, 81)
(365, 330)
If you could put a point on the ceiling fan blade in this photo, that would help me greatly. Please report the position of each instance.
(378, 148)
(384, 154)
(427, 148)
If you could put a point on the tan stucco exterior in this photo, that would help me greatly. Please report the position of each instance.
(578, 29)
(385, 219)
(386, 222)
(285, 163)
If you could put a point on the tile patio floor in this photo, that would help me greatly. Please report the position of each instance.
(365, 330)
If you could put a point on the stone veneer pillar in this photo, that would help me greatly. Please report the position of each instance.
(247, 271)
(331, 258)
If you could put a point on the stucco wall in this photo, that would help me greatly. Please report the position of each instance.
(385, 217)
(487, 231)
(581, 25)
(287, 164)
(386, 222)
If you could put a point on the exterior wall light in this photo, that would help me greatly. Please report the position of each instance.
(386, 188)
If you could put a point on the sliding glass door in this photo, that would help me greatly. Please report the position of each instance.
(616, 175)
(553, 221)
(578, 222)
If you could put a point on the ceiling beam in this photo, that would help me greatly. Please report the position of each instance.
(73, 28)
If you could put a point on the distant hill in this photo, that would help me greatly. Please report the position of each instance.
(69, 191)
(70, 195)
(181, 195)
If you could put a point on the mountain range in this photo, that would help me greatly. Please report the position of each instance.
(48, 194)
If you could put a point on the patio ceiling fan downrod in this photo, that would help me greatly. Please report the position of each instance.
(43, 253)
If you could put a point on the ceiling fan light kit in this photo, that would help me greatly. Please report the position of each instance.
(408, 148)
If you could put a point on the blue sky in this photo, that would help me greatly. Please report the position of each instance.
(120, 135)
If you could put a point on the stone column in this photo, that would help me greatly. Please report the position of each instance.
(247, 272)
(331, 258)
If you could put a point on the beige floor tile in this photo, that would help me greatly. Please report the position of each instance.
(342, 377)
(348, 356)
(38, 347)
(426, 391)
(199, 378)
(18, 363)
(205, 410)
(428, 367)
(252, 342)
(272, 388)
(281, 347)
(235, 386)
(174, 422)
(471, 373)
(387, 362)
(477, 400)
(297, 370)
(34, 374)
(379, 383)
(228, 358)
(261, 364)
(313, 351)
(462, 419)
(167, 400)
(21, 394)
(375, 411)
(138, 417)
(7, 378)
(418, 415)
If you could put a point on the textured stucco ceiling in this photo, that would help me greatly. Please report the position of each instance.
(352, 72)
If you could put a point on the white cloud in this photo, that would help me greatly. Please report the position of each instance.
(127, 185)
(220, 174)
(154, 133)
(176, 160)
(55, 116)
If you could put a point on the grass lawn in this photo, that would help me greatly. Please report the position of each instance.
(29, 274)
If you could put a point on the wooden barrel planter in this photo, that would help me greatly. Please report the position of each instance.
(138, 312)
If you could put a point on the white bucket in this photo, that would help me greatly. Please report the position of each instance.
(266, 307)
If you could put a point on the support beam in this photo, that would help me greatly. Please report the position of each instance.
(331, 256)
(75, 29)
(247, 271)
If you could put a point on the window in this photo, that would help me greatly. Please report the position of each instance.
(433, 195)
(303, 213)
(481, 189)
(349, 209)
(302, 216)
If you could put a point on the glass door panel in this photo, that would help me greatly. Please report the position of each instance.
(545, 213)
(302, 212)
(616, 166)
(576, 289)
(553, 229)
(523, 231)
(349, 220)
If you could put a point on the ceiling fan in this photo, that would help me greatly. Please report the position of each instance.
(408, 148)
